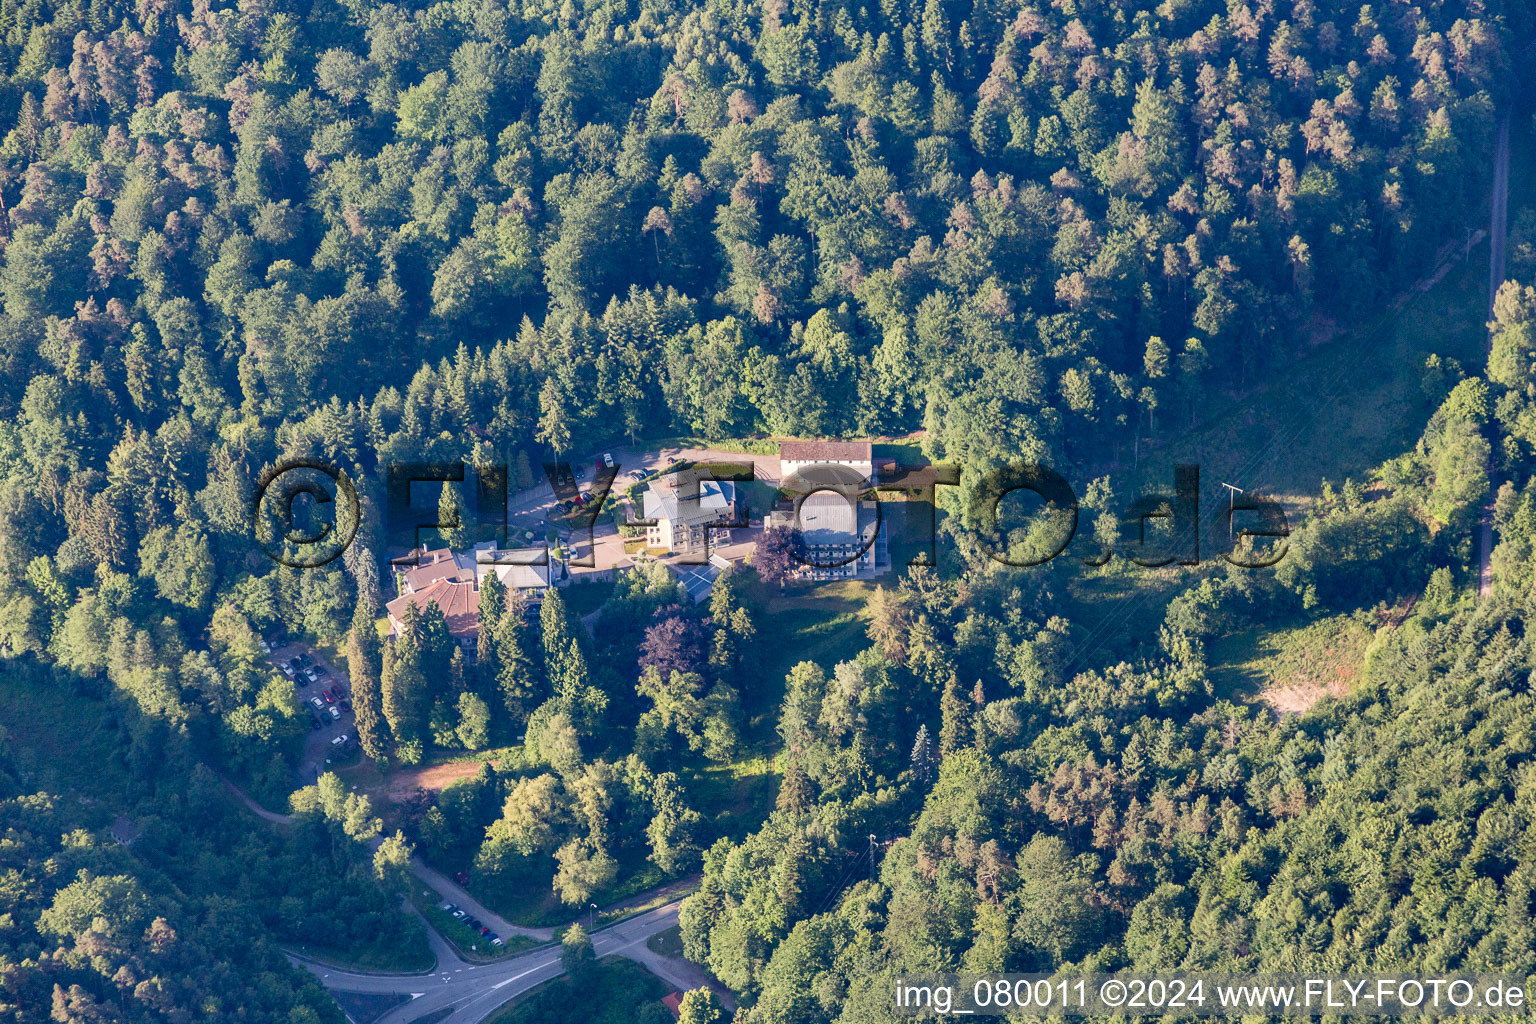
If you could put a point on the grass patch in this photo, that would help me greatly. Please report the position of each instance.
(1292, 666)
(54, 731)
(1332, 413)
(471, 944)
(736, 797)
(906, 453)
(667, 943)
(617, 992)
(375, 959)
(1118, 611)
(523, 894)
(820, 622)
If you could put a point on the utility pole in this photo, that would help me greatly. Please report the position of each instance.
(592, 918)
(871, 856)
(1232, 493)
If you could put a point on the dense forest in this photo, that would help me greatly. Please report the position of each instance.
(379, 232)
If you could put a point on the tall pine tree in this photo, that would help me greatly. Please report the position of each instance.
(363, 664)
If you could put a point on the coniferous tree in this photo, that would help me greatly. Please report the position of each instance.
(452, 523)
(955, 722)
(795, 792)
(493, 603)
(516, 676)
(364, 667)
(922, 758)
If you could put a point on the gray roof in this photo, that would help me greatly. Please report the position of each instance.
(662, 500)
(828, 517)
(519, 568)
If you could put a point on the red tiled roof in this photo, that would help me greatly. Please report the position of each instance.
(826, 451)
(431, 567)
(674, 1002)
(459, 603)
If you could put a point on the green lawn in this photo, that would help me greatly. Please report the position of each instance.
(735, 797)
(820, 622)
(667, 943)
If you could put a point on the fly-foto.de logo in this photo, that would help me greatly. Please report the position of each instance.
(306, 512)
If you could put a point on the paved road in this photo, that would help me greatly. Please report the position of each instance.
(474, 991)
(1497, 230)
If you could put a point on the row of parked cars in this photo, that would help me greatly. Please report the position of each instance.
(329, 704)
(485, 931)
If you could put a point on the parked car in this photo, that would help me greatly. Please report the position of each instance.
(321, 672)
(330, 698)
(607, 460)
(461, 877)
(266, 648)
(309, 674)
(496, 941)
(295, 664)
(319, 704)
(340, 742)
(335, 713)
(346, 705)
(287, 670)
(314, 721)
(449, 907)
(459, 914)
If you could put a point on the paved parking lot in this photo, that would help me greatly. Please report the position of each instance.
(319, 745)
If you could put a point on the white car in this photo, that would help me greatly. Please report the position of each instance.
(287, 669)
(335, 713)
(266, 648)
(607, 460)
